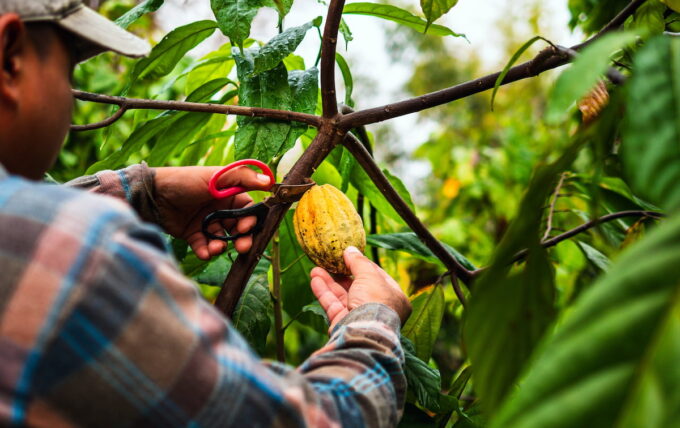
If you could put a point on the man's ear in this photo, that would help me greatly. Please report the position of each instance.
(13, 40)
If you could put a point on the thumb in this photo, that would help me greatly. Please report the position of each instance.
(245, 177)
(357, 263)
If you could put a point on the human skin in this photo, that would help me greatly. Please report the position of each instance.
(36, 105)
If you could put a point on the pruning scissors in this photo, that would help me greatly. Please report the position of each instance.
(281, 193)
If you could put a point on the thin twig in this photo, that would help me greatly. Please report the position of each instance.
(547, 243)
(103, 124)
(401, 207)
(142, 104)
(551, 211)
(276, 291)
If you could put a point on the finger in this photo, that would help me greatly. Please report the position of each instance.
(245, 224)
(357, 263)
(327, 299)
(243, 244)
(342, 285)
(199, 245)
(244, 177)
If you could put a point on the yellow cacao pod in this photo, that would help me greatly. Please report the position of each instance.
(325, 224)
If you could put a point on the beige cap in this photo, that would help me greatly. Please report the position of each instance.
(95, 33)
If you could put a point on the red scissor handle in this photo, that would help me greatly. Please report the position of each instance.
(231, 191)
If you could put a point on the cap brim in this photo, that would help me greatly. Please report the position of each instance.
(102, 35)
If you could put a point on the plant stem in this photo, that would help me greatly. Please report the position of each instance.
(276, 291)
(141, 104)
(328, 47)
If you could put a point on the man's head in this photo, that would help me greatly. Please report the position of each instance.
(40, 43)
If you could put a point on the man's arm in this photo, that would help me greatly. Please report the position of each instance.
(140, 347)
(134, 184)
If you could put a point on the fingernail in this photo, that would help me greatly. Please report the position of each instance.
(352, 250)
(264, 179)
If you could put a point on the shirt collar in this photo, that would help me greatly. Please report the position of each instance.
(3, 172)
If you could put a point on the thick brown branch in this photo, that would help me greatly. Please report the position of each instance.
(368, 164)
(547, 59)
(103, 124)
(243, 267)
(328, 47)
(140, 104)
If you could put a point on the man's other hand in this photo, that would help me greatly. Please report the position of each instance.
(370, 284)
(183, 202)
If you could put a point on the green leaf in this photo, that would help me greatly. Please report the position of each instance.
(257, 137)
(410, 243)
(138, 11)
(176, 138)
(281, 6)
(363, 183)
(166, 54)
(508, 313)
(215, 65)
(650, 149)
(314, 317)
(613, 359)
(400, 16)
(584, 73)
(424, 382)
(234, 17)
(304, 86)
(594, 256)
(423, 325)
(509, 65)
(346, 77)
(295, 291)
(649, 18)
(294, 62)
(433, 9)
(347, 162)
(278, 48)
(346, 32)
(254, 309)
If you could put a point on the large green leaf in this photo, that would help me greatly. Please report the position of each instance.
(304, 87)
(346, 77)
(424, 382)
(651, 148)
(215, 65)
(235, 16)
(423, 325)
(166, 54)
(295, 290)
(613, 361)
(410, 243)
(257, 137)
(138, 11)
(363, 183)
(508, 313)
(433, 9)
(278, 48)
(400, 16)
(584, 73)
(252, 316)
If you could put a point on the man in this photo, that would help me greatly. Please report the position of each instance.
(97, 325)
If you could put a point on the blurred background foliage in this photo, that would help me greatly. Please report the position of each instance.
(481, 162)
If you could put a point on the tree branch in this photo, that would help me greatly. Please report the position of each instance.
(586, 226)
(547, 59)
(103, 124)
(368, 164)
(328, 47)
(141, 104)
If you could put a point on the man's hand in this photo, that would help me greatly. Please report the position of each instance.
(371, 284)
(183, 201)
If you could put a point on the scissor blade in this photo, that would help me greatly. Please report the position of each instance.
(288, 193)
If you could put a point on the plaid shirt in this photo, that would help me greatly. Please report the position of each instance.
(99, 328)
